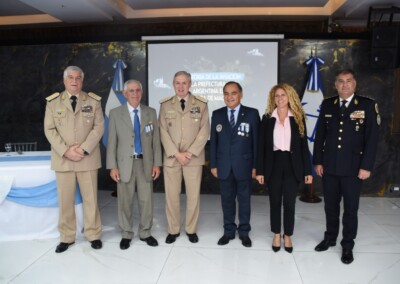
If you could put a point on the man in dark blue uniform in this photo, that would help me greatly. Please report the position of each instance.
(344, 154)
(233, 146)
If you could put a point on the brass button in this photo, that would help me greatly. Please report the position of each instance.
(339, 146)
(340, 130)
(340, 138)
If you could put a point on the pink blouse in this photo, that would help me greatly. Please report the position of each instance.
(282, 133)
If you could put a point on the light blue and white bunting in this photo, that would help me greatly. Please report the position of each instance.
(313, 98)
(116, 97)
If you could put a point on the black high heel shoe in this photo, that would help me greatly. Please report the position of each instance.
(288, 249)
(274, 248)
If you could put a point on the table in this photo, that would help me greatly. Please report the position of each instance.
(28, 197)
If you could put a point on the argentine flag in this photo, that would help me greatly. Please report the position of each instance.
(312, 99)
(115, 98)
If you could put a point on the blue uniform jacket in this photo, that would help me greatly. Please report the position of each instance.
(344, 145)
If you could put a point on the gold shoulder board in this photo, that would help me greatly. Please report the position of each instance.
(52, 97)
(94, 96)
(165, 99)
(200, 98)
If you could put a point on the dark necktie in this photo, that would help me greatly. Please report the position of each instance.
(343, 107)
(73, 102)
(232, 118)
(182, 104)
(136, 130)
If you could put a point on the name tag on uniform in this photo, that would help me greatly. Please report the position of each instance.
(357, 114)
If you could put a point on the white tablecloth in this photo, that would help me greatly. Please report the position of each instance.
(21, 222)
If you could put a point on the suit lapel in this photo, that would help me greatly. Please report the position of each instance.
(293, 130)
(241, 115)
(126, 117)
(144, 119)
(66, 101)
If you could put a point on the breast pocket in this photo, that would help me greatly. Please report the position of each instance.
(60, 118)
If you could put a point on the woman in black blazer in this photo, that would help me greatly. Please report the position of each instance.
(283, 159)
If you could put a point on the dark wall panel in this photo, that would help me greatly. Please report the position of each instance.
(31, 73)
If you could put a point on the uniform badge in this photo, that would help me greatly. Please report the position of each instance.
(218, 128)
(195, 109)
(59, 111)
(244, 129)
(357, 114)
(376, 108)
(148, 128)
(355, 101)
(87, 108)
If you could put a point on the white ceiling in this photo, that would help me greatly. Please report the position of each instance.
(347, 12)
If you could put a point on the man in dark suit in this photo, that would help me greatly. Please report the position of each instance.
(344, 154)
(134, 160)
(234, 136)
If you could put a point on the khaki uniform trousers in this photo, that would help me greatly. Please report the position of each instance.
(173, 187)
(66, 186)
(126, 196)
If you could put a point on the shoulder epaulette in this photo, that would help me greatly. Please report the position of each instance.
(166, 99)
(368, 98)
(52, 97)
(200, 98)
(94, 96)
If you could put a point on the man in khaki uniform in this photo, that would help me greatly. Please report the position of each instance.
(74, 125)
(184, 131)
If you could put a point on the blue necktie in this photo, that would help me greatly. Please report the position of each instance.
(136, 130)
(232, 118)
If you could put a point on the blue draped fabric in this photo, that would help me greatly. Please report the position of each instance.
(24, 158)
(39, 196)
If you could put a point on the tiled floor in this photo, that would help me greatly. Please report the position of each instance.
(377, 251)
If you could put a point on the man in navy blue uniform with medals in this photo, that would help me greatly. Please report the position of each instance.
(233, 148)
(344, 154)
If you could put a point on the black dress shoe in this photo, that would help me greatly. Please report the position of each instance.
(276, 248)
(347, 256)
(245, 241)
(63, 247)
(125, 244)
(288, 249)
(193, 238)
(171, 238)
(96, 244)
(224, 240)
(150, 241)
(324, 245)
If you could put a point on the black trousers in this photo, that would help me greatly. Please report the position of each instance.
(283, 186)
(336, 187)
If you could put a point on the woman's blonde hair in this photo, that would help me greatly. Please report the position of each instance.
(294, 104)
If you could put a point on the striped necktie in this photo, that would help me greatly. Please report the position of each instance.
(232, 118)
